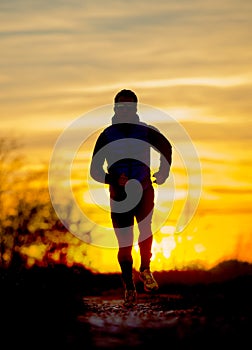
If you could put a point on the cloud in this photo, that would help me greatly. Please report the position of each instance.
(62, 58)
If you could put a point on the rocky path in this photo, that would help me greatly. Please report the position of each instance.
(54, 309)
(156, 319)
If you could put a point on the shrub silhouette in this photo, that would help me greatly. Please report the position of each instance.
(26, 210)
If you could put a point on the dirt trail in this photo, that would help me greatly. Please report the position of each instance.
(161, 318)
(67, 309)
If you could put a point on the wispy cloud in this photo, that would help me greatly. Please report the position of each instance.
(60, 58)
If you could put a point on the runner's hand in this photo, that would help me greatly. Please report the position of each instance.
(159, 178)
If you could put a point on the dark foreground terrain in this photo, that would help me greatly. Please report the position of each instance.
(61, 308)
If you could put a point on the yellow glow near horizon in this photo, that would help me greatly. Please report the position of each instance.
(197, 247)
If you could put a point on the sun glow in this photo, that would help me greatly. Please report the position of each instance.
(213, 235)
(220, 228)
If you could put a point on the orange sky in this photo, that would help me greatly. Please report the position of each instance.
(190, 59)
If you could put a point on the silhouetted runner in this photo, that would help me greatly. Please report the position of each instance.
(125, 146)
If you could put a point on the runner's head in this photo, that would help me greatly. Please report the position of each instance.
(125, 104)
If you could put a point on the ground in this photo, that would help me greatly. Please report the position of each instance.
(61, 308)
(167, 319)
(114, 326)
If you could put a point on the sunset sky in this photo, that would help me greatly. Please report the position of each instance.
(191, 59)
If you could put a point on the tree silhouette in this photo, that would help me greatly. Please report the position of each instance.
(10, 165)
(26, 210)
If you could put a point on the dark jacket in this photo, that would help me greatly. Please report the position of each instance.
(126, 149)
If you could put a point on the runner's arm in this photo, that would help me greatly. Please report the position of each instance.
(98, 158)
(162, 145)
